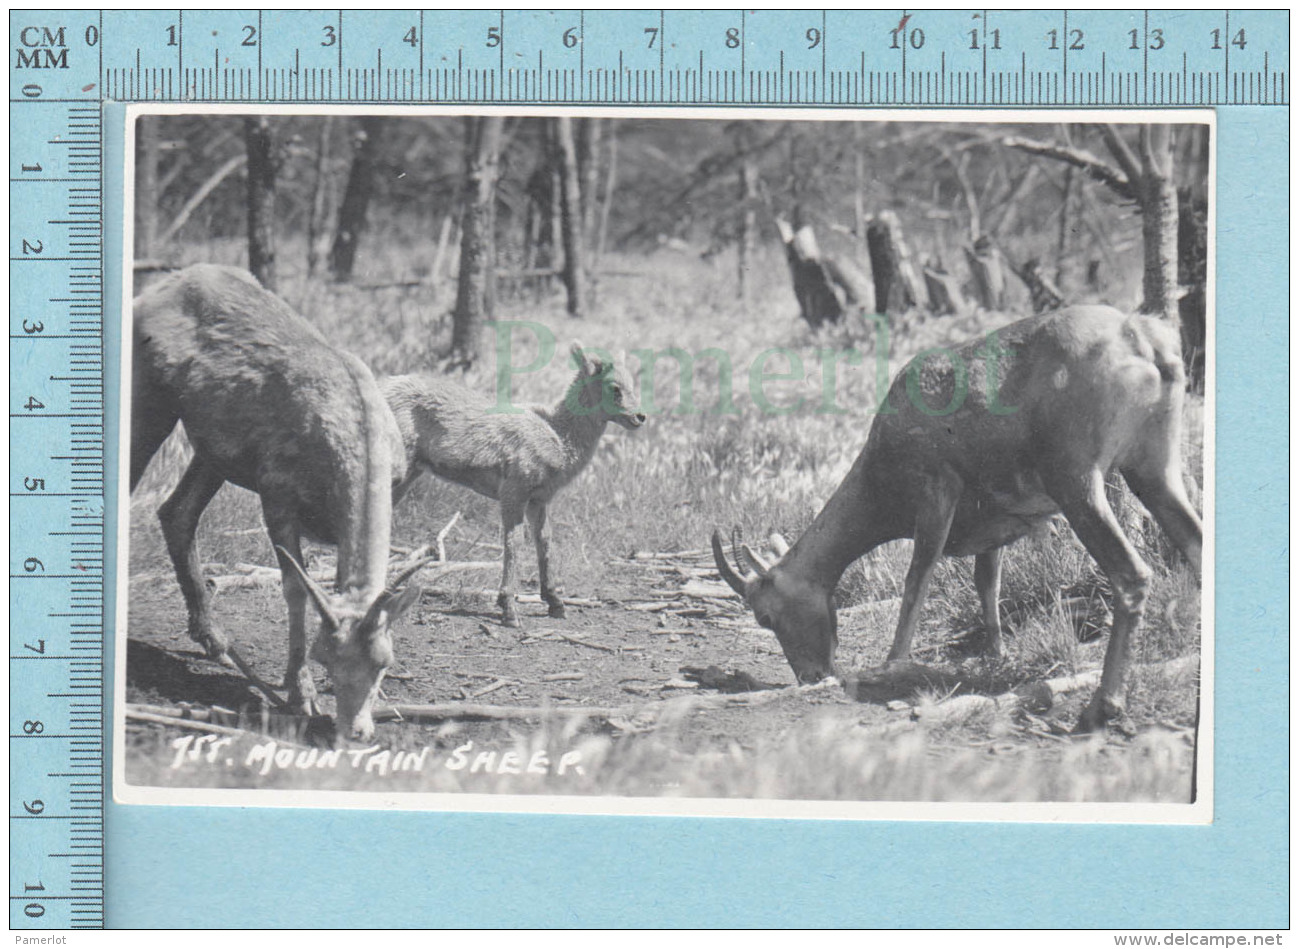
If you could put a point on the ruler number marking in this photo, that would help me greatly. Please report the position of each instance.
(914, 36)
(1237, 41)
(1076, 37)
(1156, 39)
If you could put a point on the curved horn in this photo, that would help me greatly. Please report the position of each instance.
(400, 580)
(733, 579)
(318, 595)
(778, 544)
(755, 561)
(737, 538)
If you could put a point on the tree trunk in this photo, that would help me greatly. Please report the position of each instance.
(588, 167)
(1192, 255)
(319, 213)
(261, 198)
(817, 301)
(610, 182)
(944, 291)
(896, 287)
(825, 287)
(570, 214)
(482, 156)
(1045, 296)
(746, 248)
(1159, 222)
(146, 186)
(986, 266)
(859, 184)
(1062, 255)
(356, 197)
(540, 233)
(440, 250)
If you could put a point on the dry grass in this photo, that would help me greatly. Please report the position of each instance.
(825, 757)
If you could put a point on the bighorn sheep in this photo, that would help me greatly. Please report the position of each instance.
(268, 404)
(519, 458)
(973, 450)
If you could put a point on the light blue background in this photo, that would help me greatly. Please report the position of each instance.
(227, 867)
(252, 867)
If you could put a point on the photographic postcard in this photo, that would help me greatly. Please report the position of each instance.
(832, 465)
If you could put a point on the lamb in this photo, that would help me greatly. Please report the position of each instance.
(521, 459)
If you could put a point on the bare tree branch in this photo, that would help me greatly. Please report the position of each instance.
(1096, 169)
(1122, 152)
(967, 190)
(227, 168)
(1011, 204)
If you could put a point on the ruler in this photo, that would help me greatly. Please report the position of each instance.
(57, 729)
(66, 64)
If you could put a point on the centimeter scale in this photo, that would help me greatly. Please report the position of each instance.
(66, 65)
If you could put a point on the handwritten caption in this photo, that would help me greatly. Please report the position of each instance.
(270, 755)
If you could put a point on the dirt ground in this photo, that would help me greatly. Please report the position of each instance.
(454, 647)
(654, 630)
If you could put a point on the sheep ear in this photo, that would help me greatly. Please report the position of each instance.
(586, 361)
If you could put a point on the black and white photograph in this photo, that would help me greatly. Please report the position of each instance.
(761, 463)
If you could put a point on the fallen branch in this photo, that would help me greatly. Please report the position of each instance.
(442, 536)
(703, 590)
(648, 607)
(134, 714)
(498, 684)
(1037, 693)
(535, 597)
(469, 712)
(188, 712)
(456, 566)
(699, 554)
(555, 634)
(644, 714)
